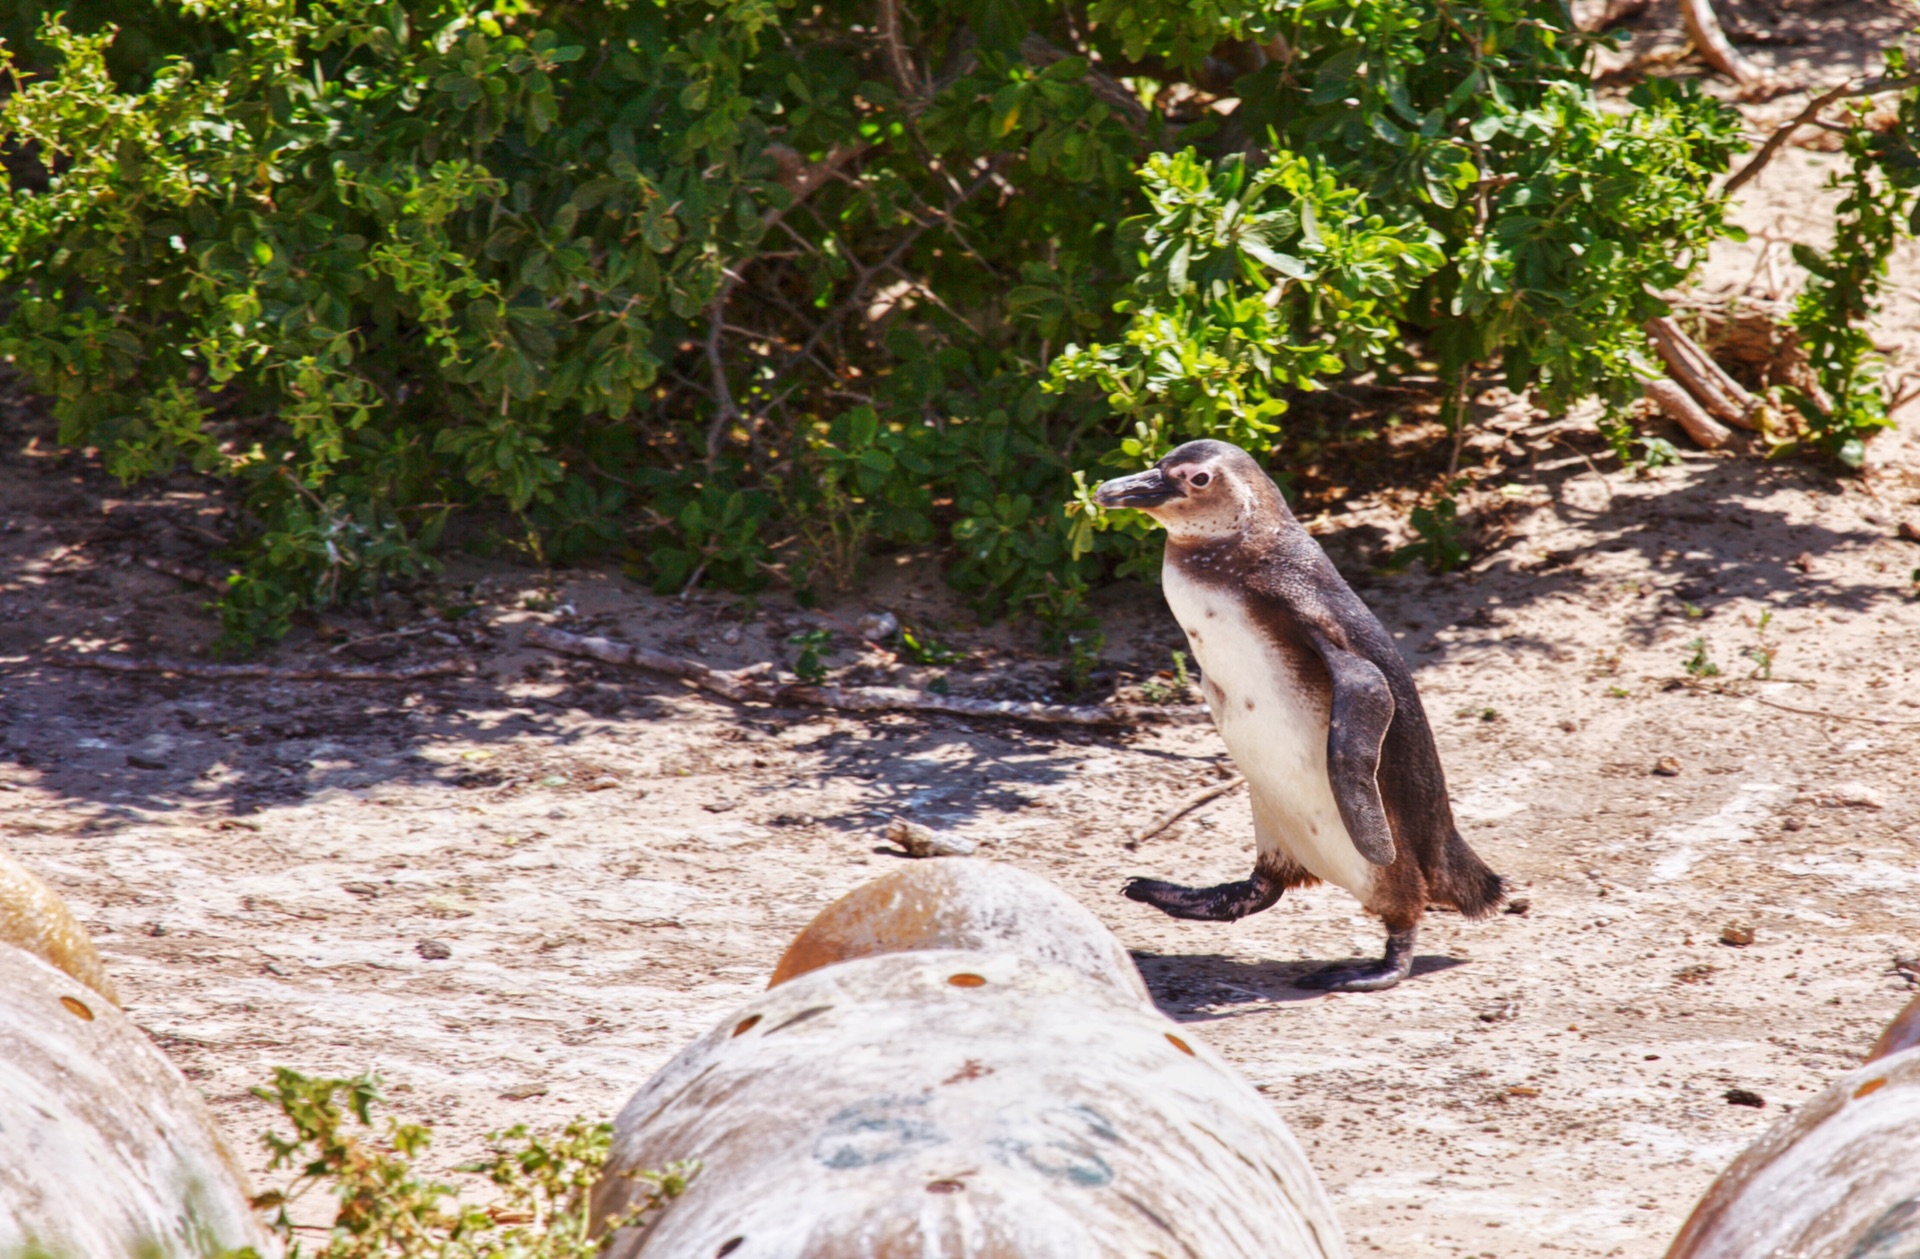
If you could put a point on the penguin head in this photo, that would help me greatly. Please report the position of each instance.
(1202, 490)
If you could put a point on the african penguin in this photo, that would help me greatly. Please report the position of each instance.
(1316, 707)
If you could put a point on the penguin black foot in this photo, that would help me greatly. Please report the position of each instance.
(1367, 976)
(1225, 903)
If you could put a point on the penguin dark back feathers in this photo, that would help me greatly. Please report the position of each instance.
(1316, 706)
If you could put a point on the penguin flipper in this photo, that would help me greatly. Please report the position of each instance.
(1362, 711)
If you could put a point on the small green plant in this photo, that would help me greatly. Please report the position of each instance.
(1618, 692)
(1439, 533)
(1693, 610)
(1154, 691)
(387, 1210)
(925, 649)
(1698, 666)
(1082, 656)
(812, 643)
(1763, 651)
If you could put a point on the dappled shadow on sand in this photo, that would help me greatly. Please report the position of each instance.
(1675, 549)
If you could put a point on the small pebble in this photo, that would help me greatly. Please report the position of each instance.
(1910, 530)
(1667, 767)
(434, 950)
(1519, 905)
(1738, 934)
(878, 627)
(137, 761)
(1746, 1097)
(521, 1092)
(367, 890)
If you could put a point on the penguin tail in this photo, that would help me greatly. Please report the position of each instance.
(1472, 887)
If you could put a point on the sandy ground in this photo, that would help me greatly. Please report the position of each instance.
(613, 863)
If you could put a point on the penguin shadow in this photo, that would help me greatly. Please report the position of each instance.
(1208, 987)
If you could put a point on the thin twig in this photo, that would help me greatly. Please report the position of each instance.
(1183, 808)
(182, 572)
(1781, 134)
(273, 673)
(351, 643)
(1819, 712)
(751, 686)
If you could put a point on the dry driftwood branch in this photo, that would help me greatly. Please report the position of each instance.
(1820, 712)
(1183, 808)
(182, 572)
(1704, 29)
(1678, 405)
(271, 673)
(751, 685)
(1811, 114)
(1723, 396)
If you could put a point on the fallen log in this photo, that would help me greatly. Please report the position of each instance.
(1839, 1178)
(110, 1153)
(1723, 396)
(1679, 406)
(272, 673)
(981, 1102)
(752, 686)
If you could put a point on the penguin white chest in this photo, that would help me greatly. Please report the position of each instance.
(1274, 723)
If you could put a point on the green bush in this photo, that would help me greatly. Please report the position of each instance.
(386, 1210)
(1878, 206)
(744, 290)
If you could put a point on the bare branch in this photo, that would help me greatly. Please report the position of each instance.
(898, 62)
(1041, 53)
(1704, 29)
(1782, 133)
(272, 673)
(751, 686)
(725, 412)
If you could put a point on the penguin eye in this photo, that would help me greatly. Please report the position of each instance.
(1200, 479)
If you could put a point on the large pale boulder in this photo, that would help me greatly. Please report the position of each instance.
(1021, 1100)
(962, 905)
(1839, 1178)
(106, 1152)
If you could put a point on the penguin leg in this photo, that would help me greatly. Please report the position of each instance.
(1224, 903)
(1368, 976)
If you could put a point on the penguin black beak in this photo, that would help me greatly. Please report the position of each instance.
(1143, 489)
